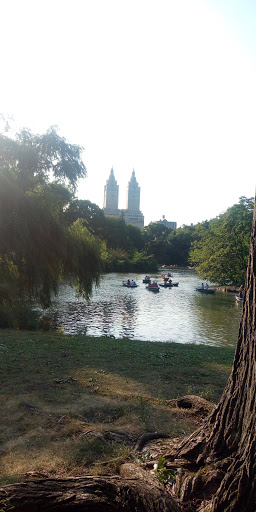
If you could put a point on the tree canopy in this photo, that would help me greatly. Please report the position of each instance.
(220, 253)
(92, 214)
(217, 248)
(35, 158)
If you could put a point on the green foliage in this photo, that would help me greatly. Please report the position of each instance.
(164, 475)
(155, 231)
(136, 237)
(90, 212)
(155, 238)
(123, 248)
(169, 246)
(118, 260)
(207, 394)
(37, 247)
(116, 233)
(5, 505)
(114, 260)
(83, 262)
(221, 252)
(143, 263)
(145, 457)
(179, 244)
(35, 157)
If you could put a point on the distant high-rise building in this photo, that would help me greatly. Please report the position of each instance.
(111, 191)
(133, 194)
(132, 213)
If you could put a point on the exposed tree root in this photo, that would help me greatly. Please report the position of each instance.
(134, 490)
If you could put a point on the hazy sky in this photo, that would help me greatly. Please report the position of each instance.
(167, 87)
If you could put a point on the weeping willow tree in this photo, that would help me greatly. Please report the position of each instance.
(38, 175)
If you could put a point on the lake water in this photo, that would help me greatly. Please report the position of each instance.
(180, 315)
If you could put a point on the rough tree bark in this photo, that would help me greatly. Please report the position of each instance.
(222, 452)
(133, 490)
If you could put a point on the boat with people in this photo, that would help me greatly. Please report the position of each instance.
(168, 284)
(167, 276)
(130, 283)
(153, 287)
(205, 290)
(167, 281)
(146, 280)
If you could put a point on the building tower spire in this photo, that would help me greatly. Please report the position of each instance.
(111, 192)
(133, 194)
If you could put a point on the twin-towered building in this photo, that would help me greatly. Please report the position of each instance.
(132, 213)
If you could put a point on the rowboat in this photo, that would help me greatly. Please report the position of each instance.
(153, 287)
(166, 277)
(129, 285)
(168, 284)
(205, 290)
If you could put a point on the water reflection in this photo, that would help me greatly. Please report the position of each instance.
(218, 318)
(178, 314)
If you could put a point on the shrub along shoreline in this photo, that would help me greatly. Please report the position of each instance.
(69, 404)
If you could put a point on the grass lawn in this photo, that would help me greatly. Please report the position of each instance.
(72, 405)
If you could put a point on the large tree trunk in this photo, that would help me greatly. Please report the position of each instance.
(222, 452)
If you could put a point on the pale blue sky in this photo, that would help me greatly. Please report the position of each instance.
(166, 87)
